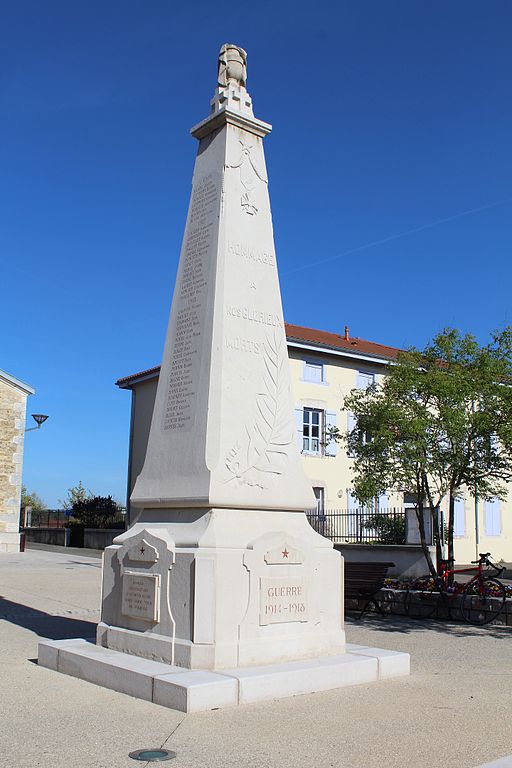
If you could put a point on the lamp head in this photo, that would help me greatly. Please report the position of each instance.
(39, 418)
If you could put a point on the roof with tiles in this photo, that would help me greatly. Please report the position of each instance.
(301, 335)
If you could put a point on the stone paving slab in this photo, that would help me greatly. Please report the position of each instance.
(450, 712)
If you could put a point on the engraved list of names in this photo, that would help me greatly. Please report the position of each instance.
(186, 352)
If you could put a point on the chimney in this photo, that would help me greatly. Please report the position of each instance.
(347, 337)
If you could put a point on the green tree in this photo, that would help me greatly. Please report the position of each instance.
(31, 500)
(74, 494)
(439, 423)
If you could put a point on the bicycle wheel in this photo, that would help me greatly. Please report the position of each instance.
(482, 601)
(421, 599)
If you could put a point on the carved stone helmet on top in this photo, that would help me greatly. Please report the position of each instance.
(232, 65)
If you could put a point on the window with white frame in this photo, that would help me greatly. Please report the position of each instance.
(313, 371)
(320, 499)
(312, 428)
(314, 431)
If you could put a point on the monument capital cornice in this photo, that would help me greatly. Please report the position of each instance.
(224, 117)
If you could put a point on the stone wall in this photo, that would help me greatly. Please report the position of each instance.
(409, 560)
(55, 536)
(12, 433)
(99, 538)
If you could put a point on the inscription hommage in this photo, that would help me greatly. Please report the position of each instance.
(140, 596)
(184, 368)
(251, 254)
(283, 600)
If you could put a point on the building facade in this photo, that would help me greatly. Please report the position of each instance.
(325, 367)
(13, 405)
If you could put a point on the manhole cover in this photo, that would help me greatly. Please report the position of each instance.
(152, 755)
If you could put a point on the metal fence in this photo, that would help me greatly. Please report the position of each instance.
(360, 526)
(342, 526)
(56, 518)
(45, 518)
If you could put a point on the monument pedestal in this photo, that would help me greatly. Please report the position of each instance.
(221, 607)
(220, 588)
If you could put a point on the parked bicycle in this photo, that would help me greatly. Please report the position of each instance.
(482, 597)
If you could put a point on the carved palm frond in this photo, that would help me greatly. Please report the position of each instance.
(263, 448)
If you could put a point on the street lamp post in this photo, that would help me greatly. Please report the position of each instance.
(39, 419)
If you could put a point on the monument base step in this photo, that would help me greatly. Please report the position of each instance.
(196, 690)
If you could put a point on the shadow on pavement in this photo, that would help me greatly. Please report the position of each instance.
(405, 625)
(85, 565)
(45, 624)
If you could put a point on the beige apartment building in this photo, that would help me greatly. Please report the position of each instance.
(325, 367)
(13, 405)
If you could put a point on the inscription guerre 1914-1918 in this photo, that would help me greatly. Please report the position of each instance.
(180, 404)
(283, 600)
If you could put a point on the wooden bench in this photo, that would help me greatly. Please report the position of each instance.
(364, 580)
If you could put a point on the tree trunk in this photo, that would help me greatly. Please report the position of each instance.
(421, 525)
(451, 523)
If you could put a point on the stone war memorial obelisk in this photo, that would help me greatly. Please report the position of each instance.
(221, 592)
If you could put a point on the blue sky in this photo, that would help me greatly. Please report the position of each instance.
(390, 179)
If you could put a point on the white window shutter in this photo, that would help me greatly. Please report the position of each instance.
(299, 422)
(492, 518)
(313, 372)
(364, 380)
(459, 518)
(331, 447)
(352, 502)
(351, 425)
(383, 502)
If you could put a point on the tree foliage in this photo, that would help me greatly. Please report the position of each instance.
(32, 500)
(75, 494)
(439, 423)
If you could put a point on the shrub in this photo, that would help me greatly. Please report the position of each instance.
(388, 528)
(96, 512)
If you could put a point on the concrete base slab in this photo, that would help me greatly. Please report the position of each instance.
(390, 663)
(197, 690)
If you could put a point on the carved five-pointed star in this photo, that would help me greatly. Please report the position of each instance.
(142, 550)
(285, 552)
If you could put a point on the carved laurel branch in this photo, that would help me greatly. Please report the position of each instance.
(263, 447)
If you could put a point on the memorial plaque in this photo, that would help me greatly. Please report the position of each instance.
(140, 598)
(283, 600)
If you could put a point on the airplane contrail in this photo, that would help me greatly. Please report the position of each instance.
(397, 236)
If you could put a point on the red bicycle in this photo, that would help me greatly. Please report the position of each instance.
(482, 597)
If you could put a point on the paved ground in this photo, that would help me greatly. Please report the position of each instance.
(453, 711)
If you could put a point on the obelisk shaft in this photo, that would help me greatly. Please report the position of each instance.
(223, 432)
